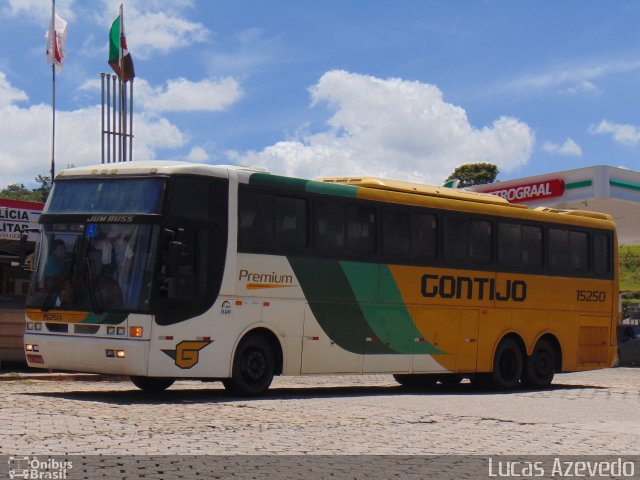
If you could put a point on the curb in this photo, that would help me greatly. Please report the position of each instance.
(66, 377)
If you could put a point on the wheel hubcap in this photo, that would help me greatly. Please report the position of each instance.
(255, 365)
(508, 366)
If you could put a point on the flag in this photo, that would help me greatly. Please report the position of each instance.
(119, 56)
(56, 37)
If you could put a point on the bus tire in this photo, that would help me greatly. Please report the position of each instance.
(507, 365)
(415, 380)
(253, 367)
(540, 366)
(152, 384)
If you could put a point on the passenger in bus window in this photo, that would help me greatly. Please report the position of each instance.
(56, 262)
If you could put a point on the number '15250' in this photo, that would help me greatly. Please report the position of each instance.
(590, 296)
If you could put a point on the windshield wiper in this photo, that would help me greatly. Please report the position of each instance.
(55, 288)
(90, 278)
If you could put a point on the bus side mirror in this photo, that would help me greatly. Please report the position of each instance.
(173, 253)
(24, 248)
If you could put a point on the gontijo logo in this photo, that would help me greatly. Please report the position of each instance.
(256, 280)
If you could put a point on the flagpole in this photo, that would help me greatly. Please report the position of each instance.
(53, 96)
(122, 146)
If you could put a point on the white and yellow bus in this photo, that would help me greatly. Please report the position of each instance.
(168, 270)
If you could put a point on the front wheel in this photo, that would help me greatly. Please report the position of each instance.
(152, 384)
(507, 365)
(253, 367)
(540, 366)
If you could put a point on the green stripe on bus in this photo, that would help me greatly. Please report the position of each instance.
(334, 304)
(277, 181)
(390, 321)
(301, 185)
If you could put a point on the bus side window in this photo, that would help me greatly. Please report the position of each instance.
(183, 282)
(291, 222)
(481, 241)
(424, 235)
(255, 219)
(190, 198)
(558, 244)
(396, 233)
(361, 229)
(579, 248)
(601, 253)
(456, 239)
(330, 225)
(532, 255)
(510, 245)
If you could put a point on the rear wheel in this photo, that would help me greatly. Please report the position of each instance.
(152, 384)
(540, 366)
(415, 380)
(507, 365)
(253, 367)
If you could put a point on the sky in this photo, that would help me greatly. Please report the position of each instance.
(406, 89)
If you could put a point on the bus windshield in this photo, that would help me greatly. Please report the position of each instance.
(121, 195)
(94, 267)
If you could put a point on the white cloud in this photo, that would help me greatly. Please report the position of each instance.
(156, 31)
(396, 129)
(569, 148)
(577, 77)
(8, 94)
(38, 10)
(250, 49)
(585, 86)
(182, 95)
(155, 26)
(197, 154)
(77, 138)
(621, 133)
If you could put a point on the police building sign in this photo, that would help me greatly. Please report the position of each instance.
(528, 192)
(17, 216)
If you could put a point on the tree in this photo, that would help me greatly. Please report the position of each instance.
(44, 188)
(474, 174)
(17, 191)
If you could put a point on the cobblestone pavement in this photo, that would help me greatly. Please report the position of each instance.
(583, 413)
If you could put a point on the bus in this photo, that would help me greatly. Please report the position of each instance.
(167, 270)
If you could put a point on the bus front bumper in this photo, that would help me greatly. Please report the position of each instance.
(112, 356)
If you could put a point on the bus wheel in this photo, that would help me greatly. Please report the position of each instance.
(450, 379)
(415, 380)
(540, 366)
(253, 367)
(507, 365)
(152, 384)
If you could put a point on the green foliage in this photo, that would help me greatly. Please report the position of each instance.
(474, 174)
(17, 191)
